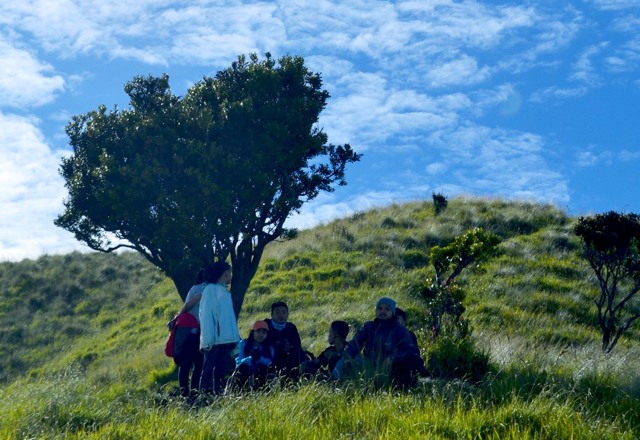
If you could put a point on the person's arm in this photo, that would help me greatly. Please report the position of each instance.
(266, 357)
(192, 302)
(206, 319)
(404, 345)
(354, 347)
(241, 358)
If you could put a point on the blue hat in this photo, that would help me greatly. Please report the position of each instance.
(389, 302)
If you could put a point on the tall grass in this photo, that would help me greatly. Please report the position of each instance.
(518, 405)
(82, 338)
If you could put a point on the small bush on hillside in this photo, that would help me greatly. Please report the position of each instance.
(453, 353)
(440, 202)
(451, 357)
(413, 258)
(611, 245)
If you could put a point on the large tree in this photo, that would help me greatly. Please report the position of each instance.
(211, 175)
(611, 245)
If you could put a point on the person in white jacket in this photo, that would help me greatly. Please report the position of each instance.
(218, 327)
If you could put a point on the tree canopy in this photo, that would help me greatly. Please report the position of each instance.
(211, 175)
(611, 245)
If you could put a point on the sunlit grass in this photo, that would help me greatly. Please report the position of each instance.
(84, 357)
(524, 405)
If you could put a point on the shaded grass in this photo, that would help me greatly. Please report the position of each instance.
(91, 342)
(516, 405)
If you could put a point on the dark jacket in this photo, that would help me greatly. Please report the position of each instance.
(378, 340)
(287, 346)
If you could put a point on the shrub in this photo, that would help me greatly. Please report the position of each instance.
(440, 203)
(413, 258)
(451, 357)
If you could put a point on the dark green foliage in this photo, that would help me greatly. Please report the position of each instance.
(211, 175)
(612, 248)
(453, 353)
(440, 203)
(452, 357)
(414, 258)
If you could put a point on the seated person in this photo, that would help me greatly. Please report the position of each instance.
(384, 345)
(284, 338)
(418, 365)
(254, 358)
(325, 364)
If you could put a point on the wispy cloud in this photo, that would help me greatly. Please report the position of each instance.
(616, 5)
(556, 92)
(416, 86)
(583, 70)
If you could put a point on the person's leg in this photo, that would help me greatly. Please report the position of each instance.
(197, 368)
(208, 365)
(190, 352)
(183, 374)
(240, 376)
(403, 374)
(261, 375)
(221, 364)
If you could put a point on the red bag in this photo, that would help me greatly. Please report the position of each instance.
(168, 347)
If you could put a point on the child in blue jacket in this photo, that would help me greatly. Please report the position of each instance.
(254, 358)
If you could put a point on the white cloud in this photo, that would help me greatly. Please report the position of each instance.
(151, 31)
(415, 85)
(555, 93)
(461, 71)
(32, 192)
(593, 157)
(506, 163)
(583, 67)
(586, 159)
(629, 156)
(436, 168)
(24, 80)
(616, 5)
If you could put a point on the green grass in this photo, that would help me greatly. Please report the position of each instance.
(516, 405)
(82, 337)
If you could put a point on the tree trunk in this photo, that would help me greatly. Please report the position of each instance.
(183, 283)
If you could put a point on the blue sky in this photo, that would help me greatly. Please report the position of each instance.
(534, 100)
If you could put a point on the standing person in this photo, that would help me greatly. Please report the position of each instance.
(254, 357)
(190, 356)
(385, 344)
(285, 339)
(218, 327)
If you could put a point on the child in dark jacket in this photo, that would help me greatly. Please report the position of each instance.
(385, 345)
(324, 366)
(254, 358)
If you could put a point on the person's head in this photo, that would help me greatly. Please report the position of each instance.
(339, 330)
(401, 315)
(218, 272)
(279, 312)
(260, 330)
(200, 276)
(385, 309)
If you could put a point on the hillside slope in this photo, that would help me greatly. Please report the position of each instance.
(97, 310)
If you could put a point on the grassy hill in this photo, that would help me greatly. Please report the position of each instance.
(82, 337)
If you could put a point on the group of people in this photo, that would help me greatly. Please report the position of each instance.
(206, 339)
